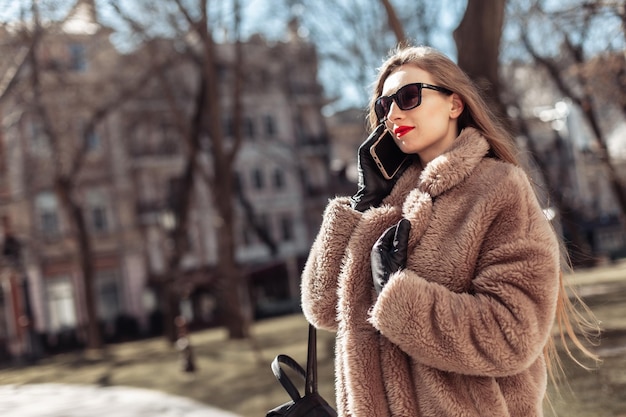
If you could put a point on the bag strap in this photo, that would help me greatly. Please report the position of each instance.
(309, 376)
(282, 377)
(310, 386)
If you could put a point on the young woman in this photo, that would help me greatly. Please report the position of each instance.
(443, 283)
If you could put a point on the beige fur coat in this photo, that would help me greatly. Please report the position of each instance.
(460, 331)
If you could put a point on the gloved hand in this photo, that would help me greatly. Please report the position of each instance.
(372, 186)
(389, 253)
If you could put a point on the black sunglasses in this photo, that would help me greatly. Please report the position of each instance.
(408, 97)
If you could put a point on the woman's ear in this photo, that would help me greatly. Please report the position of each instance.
(457, 106)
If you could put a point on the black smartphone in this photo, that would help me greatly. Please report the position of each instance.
(388, 157)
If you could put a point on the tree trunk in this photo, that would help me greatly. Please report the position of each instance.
(477, 40)
(169, 306)
(394, 22)
(85, 257)
(236, 305)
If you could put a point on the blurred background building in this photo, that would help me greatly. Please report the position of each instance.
(570, 168)
(128, 187)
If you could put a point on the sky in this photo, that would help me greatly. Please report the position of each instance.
(269, 18)
(259, 16)
(9, 8)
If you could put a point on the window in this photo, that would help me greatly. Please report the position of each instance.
(107, 288)
(248, 126)
(279, 179)
(50, 224)
(99, 219)
(286, 228)
(92, 141)
(175, 187)
(227, 125)
(238, 182)
(61, 308)
(257, 178)
(223, 73)
(169, 139)
(46, 209)
(38, 139)
(78, 57)
(97, 211)
(270, 126)
(247, 235)
(263, 220)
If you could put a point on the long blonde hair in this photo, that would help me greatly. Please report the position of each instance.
(571, 317)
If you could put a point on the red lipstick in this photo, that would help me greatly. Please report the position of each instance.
(402, 130)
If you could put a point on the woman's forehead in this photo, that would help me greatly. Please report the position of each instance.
(403, 75)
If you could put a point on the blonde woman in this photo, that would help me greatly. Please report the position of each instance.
(442, 283)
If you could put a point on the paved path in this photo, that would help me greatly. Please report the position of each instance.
(59, 400)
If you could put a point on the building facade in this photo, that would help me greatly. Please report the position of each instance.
(557, 135)
(125, 167)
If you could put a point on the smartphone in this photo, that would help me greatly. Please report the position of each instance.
(388, 157)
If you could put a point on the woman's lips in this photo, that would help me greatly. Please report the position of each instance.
(402, 130)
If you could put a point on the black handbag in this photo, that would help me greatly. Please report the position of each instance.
(311, 404)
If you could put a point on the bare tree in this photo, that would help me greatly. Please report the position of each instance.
(570, 66)
(192, 29)
(354, 37)
(69, 112)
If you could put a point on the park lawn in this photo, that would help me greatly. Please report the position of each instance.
(235, 375)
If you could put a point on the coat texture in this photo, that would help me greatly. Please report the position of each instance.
(460, 331)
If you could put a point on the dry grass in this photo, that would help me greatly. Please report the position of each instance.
(233, 376)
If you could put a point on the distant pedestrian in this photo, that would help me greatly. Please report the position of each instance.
(443, 282)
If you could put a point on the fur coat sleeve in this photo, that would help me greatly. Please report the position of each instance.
(498, 324)
(321, 272)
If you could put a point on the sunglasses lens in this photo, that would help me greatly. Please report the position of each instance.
(409, 97)
(381, 107)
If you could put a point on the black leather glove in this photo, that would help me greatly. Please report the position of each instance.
(372, 186)
(389, 253)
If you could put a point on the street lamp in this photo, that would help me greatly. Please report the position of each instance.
(168, 220)
(183, 344)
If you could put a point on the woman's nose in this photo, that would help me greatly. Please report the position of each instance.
(394, 111)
